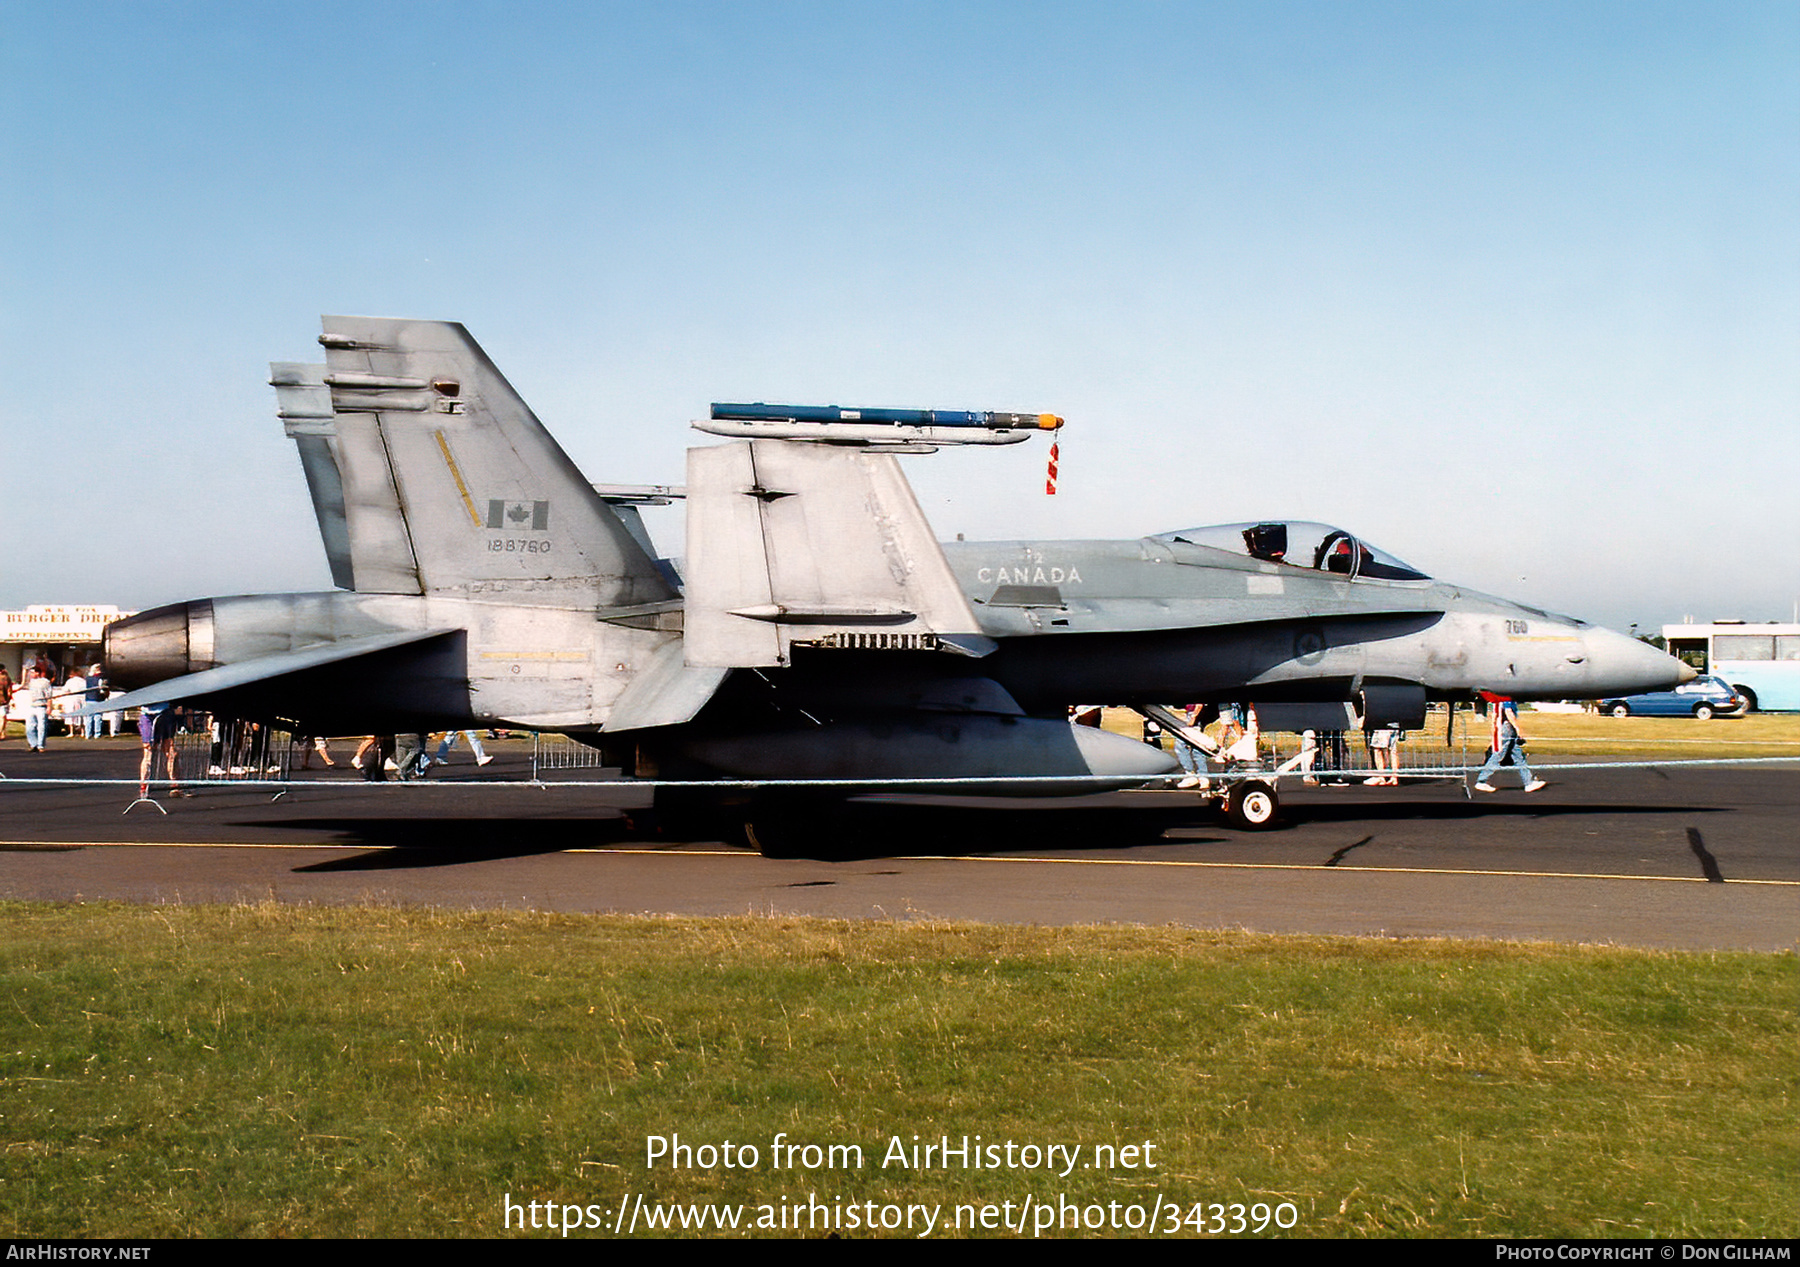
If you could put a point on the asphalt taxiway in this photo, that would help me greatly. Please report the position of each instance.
(1675, 856)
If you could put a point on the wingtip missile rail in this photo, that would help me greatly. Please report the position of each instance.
(835, 424)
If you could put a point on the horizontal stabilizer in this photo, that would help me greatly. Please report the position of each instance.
(229, 677)
(668, 693)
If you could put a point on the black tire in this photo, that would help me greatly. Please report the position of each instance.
(788, 826)
(1703, 712)
(689, 815)
(1749, 699)
(776, 836)
(1252, 805)
(1621, 709)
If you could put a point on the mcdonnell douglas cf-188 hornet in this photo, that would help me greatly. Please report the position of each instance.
(816, 633)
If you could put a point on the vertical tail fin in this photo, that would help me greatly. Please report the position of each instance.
(429, 474)
(303, 403)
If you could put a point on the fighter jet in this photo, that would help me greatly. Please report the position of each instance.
(816, 639)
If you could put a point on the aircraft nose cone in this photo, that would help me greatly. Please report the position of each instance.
(1621, 665)
(1689, 673)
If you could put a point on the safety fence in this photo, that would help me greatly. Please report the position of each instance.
(1449, 746)
(562, 752)
(233, 751)
(226, 752)
(202, 753)
(272, 762)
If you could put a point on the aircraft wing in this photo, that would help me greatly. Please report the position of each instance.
(806, 544)
(262, 670)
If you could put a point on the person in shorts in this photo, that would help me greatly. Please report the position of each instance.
(157, 727)
(1384, 755)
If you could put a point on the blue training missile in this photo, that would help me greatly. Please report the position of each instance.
(993, 420)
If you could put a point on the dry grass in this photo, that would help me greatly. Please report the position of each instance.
(270, 1070)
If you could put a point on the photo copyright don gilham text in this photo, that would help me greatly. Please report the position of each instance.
(1031, 1213)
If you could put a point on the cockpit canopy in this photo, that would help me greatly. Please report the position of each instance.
(1302, 545)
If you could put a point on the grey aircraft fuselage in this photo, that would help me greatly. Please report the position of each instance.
(1120, 622)
(819, 631)
(1158, 619)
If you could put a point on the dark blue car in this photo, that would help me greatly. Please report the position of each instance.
(1704, 697)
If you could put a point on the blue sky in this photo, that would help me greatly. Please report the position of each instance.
(1513, 290)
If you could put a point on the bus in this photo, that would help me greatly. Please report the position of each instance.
(1759, 662)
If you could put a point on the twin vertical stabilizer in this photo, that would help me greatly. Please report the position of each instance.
(430, 475)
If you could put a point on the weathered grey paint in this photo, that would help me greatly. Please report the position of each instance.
(823, 632)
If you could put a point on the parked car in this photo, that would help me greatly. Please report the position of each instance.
(1704, 697)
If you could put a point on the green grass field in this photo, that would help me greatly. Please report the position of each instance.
(1557, 736)
(271, 1070)
(1650, 738)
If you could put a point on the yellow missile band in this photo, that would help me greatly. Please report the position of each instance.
(1049, 422)
(462, 488)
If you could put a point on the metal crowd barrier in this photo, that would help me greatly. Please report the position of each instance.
(1451, 744)
(560, 752)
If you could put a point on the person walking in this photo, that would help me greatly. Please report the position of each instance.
(1508, 746)
(449, 742)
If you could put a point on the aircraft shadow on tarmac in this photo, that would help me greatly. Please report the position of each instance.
(860, 833)
(407, 843)
(1463, 811)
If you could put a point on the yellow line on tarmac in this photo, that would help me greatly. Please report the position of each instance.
(29, 845)
(26, 846)
(1315, 866)
(1225, 866)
